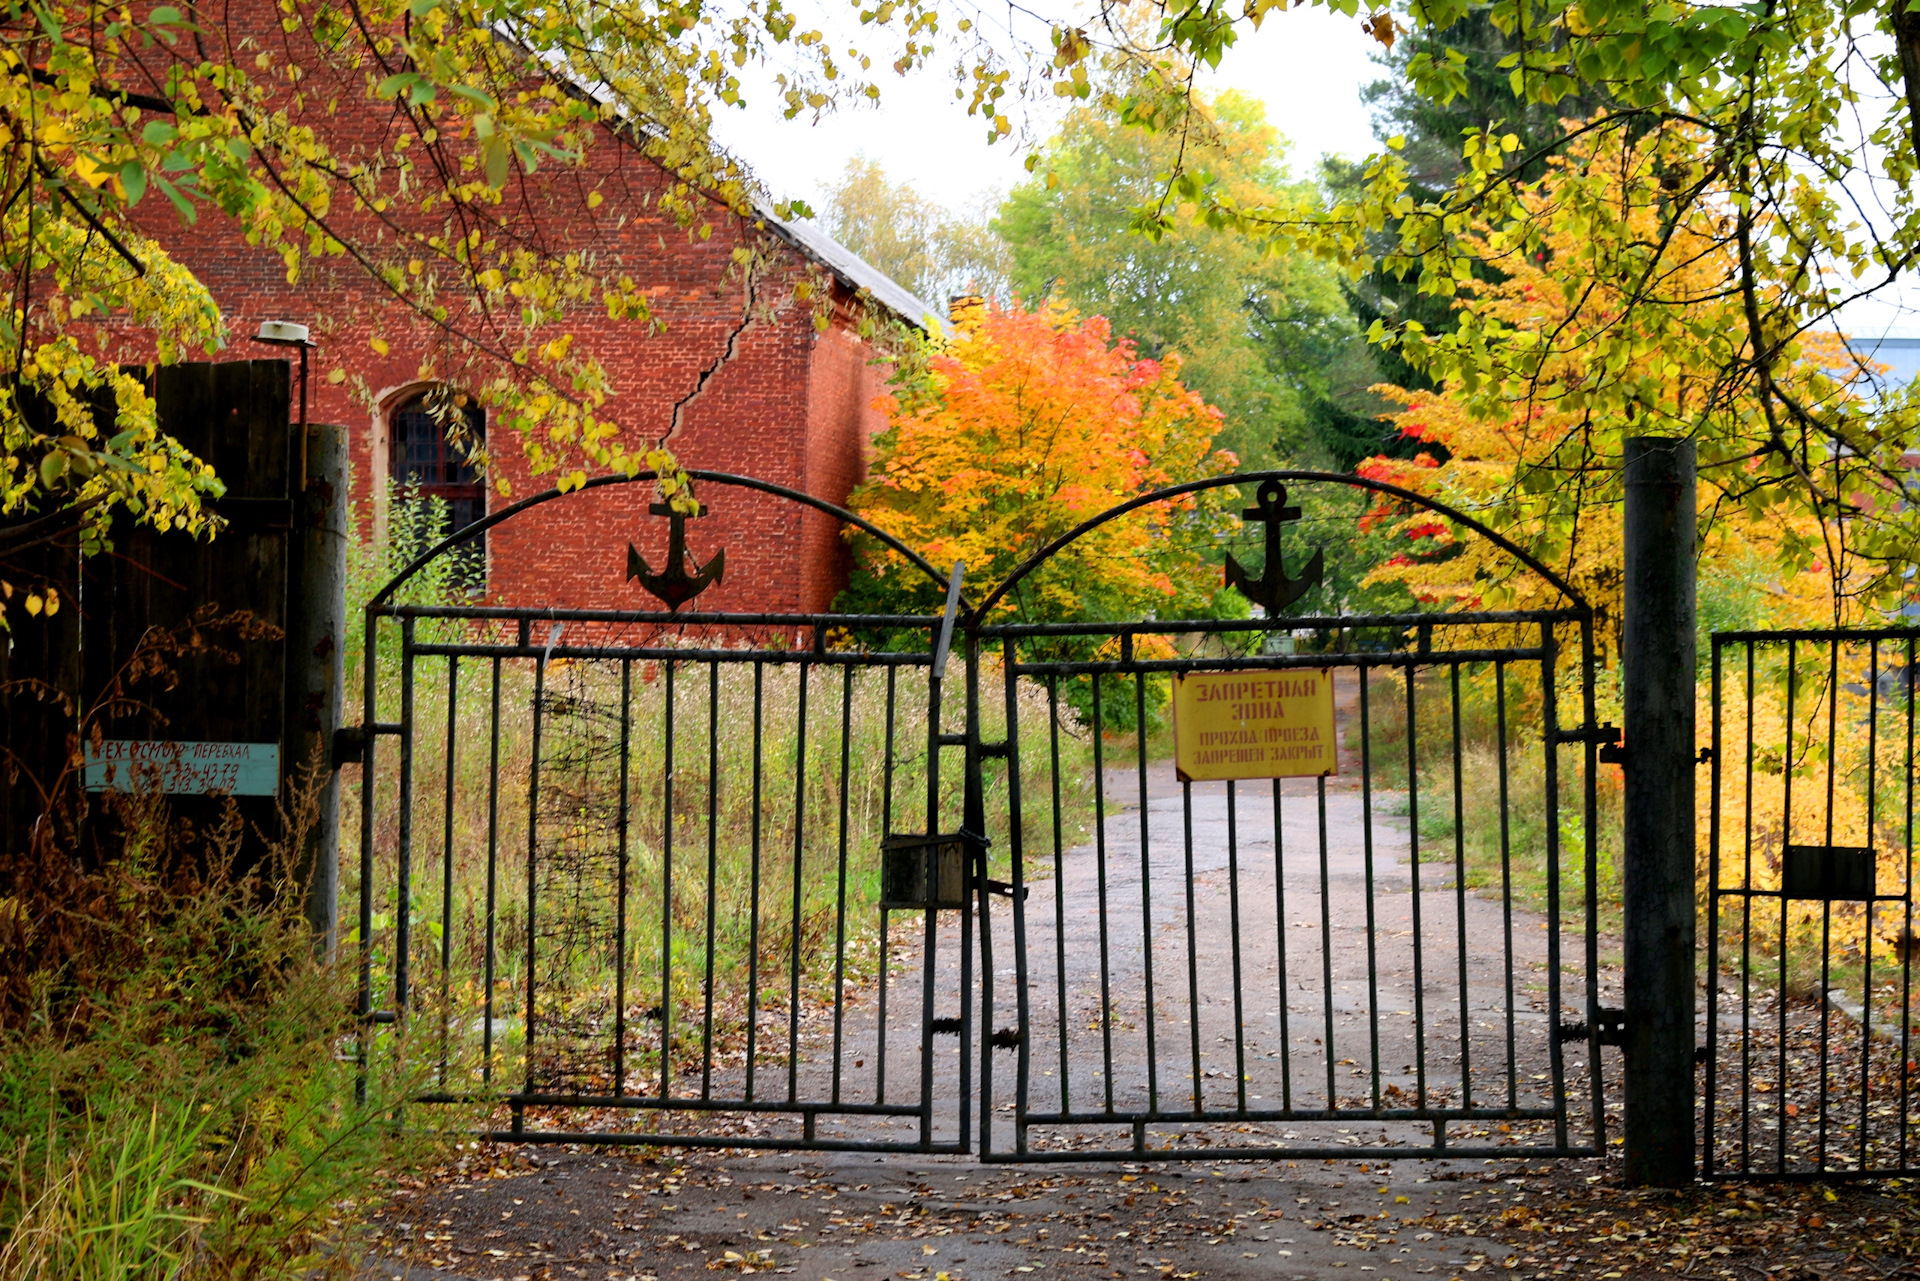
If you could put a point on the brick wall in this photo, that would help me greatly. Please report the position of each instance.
(843, 382)
(792, 406)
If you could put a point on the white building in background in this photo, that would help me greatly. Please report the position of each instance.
(1897, 349)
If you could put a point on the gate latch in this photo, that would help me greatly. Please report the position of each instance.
(1005, 890)
(919, 872)
(1606, 734)
(350, 741)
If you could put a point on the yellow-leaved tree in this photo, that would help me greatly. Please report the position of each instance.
(1535, 450)
(1536, 453)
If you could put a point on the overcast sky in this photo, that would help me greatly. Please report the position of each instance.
(1307, 65)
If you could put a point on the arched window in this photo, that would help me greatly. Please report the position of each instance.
(436, 490)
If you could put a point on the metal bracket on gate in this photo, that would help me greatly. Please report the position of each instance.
(1611, 1026)
(1606, 734)
(1005, 890)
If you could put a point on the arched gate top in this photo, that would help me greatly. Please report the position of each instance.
(507, 513)
(1261, 478)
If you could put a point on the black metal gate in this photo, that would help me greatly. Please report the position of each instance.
(625, 862)
(1808, 890)
(1393, 960)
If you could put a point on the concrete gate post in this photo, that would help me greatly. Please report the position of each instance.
(1657, 656)
(316, 664)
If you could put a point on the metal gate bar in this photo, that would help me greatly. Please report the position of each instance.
(1818, 1040)
(817, 1052)
(1118, 957)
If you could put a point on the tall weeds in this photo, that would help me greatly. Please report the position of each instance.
(1485, 806)
(172, 1099)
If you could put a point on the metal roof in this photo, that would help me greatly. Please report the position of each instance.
(856, 272)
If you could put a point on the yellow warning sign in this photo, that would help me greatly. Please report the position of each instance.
(1274, 724)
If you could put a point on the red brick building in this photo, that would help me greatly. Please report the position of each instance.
(757, 387)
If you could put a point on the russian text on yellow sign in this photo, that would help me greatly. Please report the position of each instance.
(1272, 724)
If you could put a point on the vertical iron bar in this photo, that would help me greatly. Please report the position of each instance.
(1826, 909)
(533, 855)
(1460, 901)
(493, 873)
(1366, 830)
(886, 828)
(1550, 720)
(1280, 941)
(1906, 929)
(1146, 880)
(1746, 946)
(1786, 838)
(369, 715)
(840, 888)
(974, 819)
(403, 910)
(1419, 932)
(1506, 879)
(622, 870)
(799, 882)
(1017, 875)
(1326, 907)
(1193, 943)
(753, 855)
(713, 872)
(1059, 886)
(1707, 1153)
(1233, 908)
(1866, 941)
(446, 871)
(930, 930)
(1100, 859)
(1590, 823)
(667, 725)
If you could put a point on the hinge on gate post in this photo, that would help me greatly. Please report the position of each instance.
(1704, 757)
(1611, 1025)
(349, 744)
(350, 741)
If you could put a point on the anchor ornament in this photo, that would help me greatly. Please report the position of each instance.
(683, 578)
(1273, 590)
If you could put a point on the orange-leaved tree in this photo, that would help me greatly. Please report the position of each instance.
(1023, 425)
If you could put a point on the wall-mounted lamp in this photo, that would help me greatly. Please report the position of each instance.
(285, 333)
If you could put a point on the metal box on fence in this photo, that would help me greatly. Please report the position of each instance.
(914, 867)
(1827, 872)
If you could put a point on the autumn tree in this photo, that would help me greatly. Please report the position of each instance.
(1543, 467)
(1428, 131)
(1029, 422)
(1259, 333)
